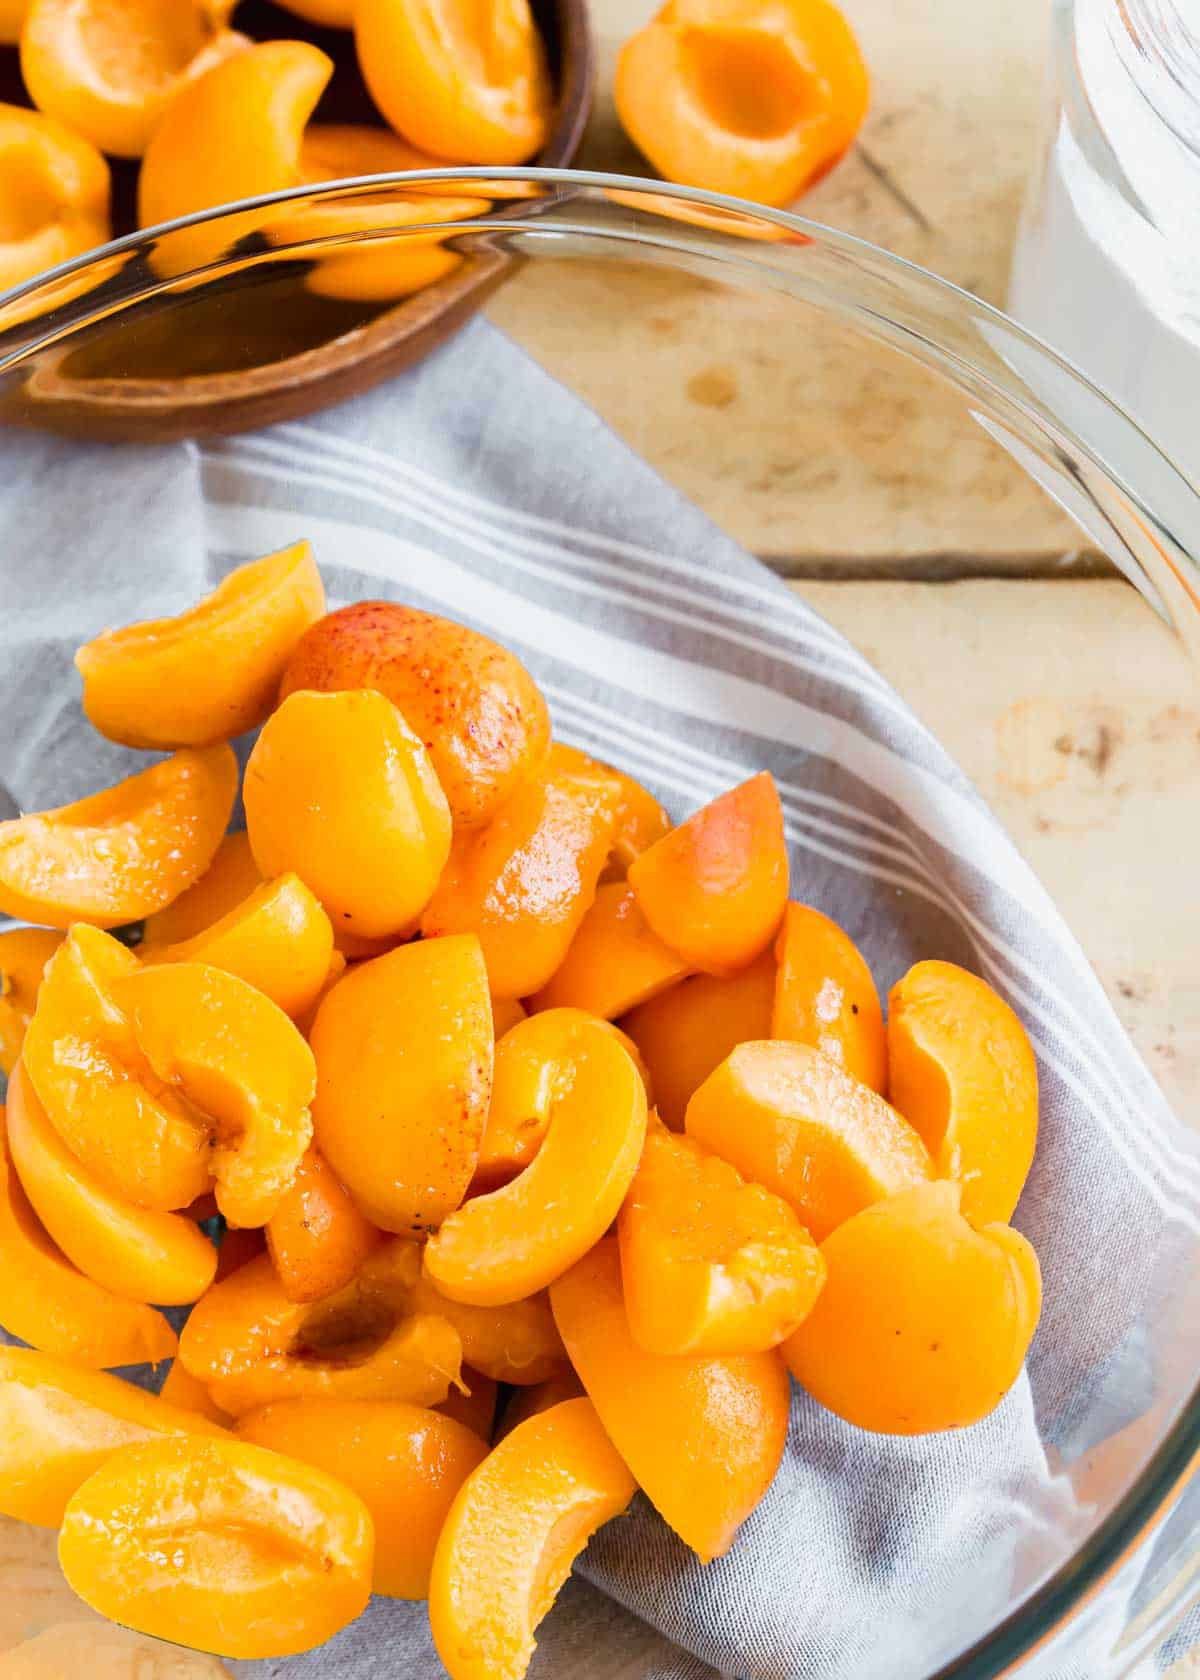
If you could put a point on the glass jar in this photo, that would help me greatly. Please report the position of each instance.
(1107, 266)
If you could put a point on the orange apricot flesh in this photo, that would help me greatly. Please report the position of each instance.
(792, 1120)
(925, 1319)
(211, 672)
(404, 1073)
(59, 1423)
(709, 1263)
(54, 196)
(964, 1074)
(703, 1434)
(528, 1402)
(714, 889)
(219, 1545)
(615, 960)
(229, 879)
(825, 996)
(476, 1408)
(515, 1343)
(24, 953)
(188, 1394)
(640, 819)
(318, 1240)
(119, 855)
(512, 1534)
(406, 1463)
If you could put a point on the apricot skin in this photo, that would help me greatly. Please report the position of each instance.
(317, 1237)
(924, 1321)
(211, 673)
(825, 996)
(229, 879)
(480, 714)
(703, 1436)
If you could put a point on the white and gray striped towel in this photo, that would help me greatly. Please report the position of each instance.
(476, 487)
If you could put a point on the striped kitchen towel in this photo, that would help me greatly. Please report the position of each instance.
(477, 487)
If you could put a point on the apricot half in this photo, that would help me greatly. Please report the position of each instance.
(250, 1345)
(512, 1242)
(45, 1301)
(406, 1463)
(219, 1545)
(119, 855)
(964, 1074)
(317, 1237)
(924, 1320)
(614, 962)
(790, 1119)
(467, 85)
(688, 1030)
(339, 789)
(212, 672)
(825, 996)
(59, 1423)
(477, 709)
(24, 953)
(715, 888)
(404, 1075)
(514, 1530)
(524, 882)
(143, 1255)
(229, 879)
(703, 1435)
(54, 195)
(709, 1263)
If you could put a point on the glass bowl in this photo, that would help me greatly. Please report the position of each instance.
(1015, 556)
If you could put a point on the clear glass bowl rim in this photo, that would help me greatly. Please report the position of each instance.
(1047, 1611)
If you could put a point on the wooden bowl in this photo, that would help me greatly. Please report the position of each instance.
(158, 374)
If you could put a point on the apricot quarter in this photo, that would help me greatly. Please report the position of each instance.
(703, 1435)
(59, 1423)
(514, 1530)
(924, 1321)
(640, 819)
(229, 879)
(404, 1074)
(211, 672)
(317, 1237)
(406, 1463)
(709, 1263)
(24, 953)
(825, 996)
(964, 1074)
(119, 855)
(56, 202)
(219, 1545)
(339, 789)
(479, 712)
(506, 1245)
(614, 962)
(792, 1120)
(715, 888)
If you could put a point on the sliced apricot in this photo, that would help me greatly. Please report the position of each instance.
(529, 1402)
(249, 1345)
(335, 972)
(792, 1120)
(473, 1403)
(478, 710)
(238, 1060)
(186, 1392)
(703, 1435)
(211, 672)
(963, 1072)
(238, 1246)
(510, 1243)
(141, 1139)
(109, 68)
(515, 1343)
(514, 1530)
(924, 1320)
(339, 789)
(46, 1302)
(615, 960)
(640, 819)
(715, 888)
(825, 996)
(279, 940)
(406, 1463)
(688, 1030)
(467, 85)
(59, 1423)
(229, 879)
(404, 1074)
(24, 953)
(135, 1252)
(506, 1012)
(54, 194)
(219, 1545)
(743, 97)
(709, 1263)
(317, 1237)
(119, 855)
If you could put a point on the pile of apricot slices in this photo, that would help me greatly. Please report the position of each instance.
(462, 1080)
